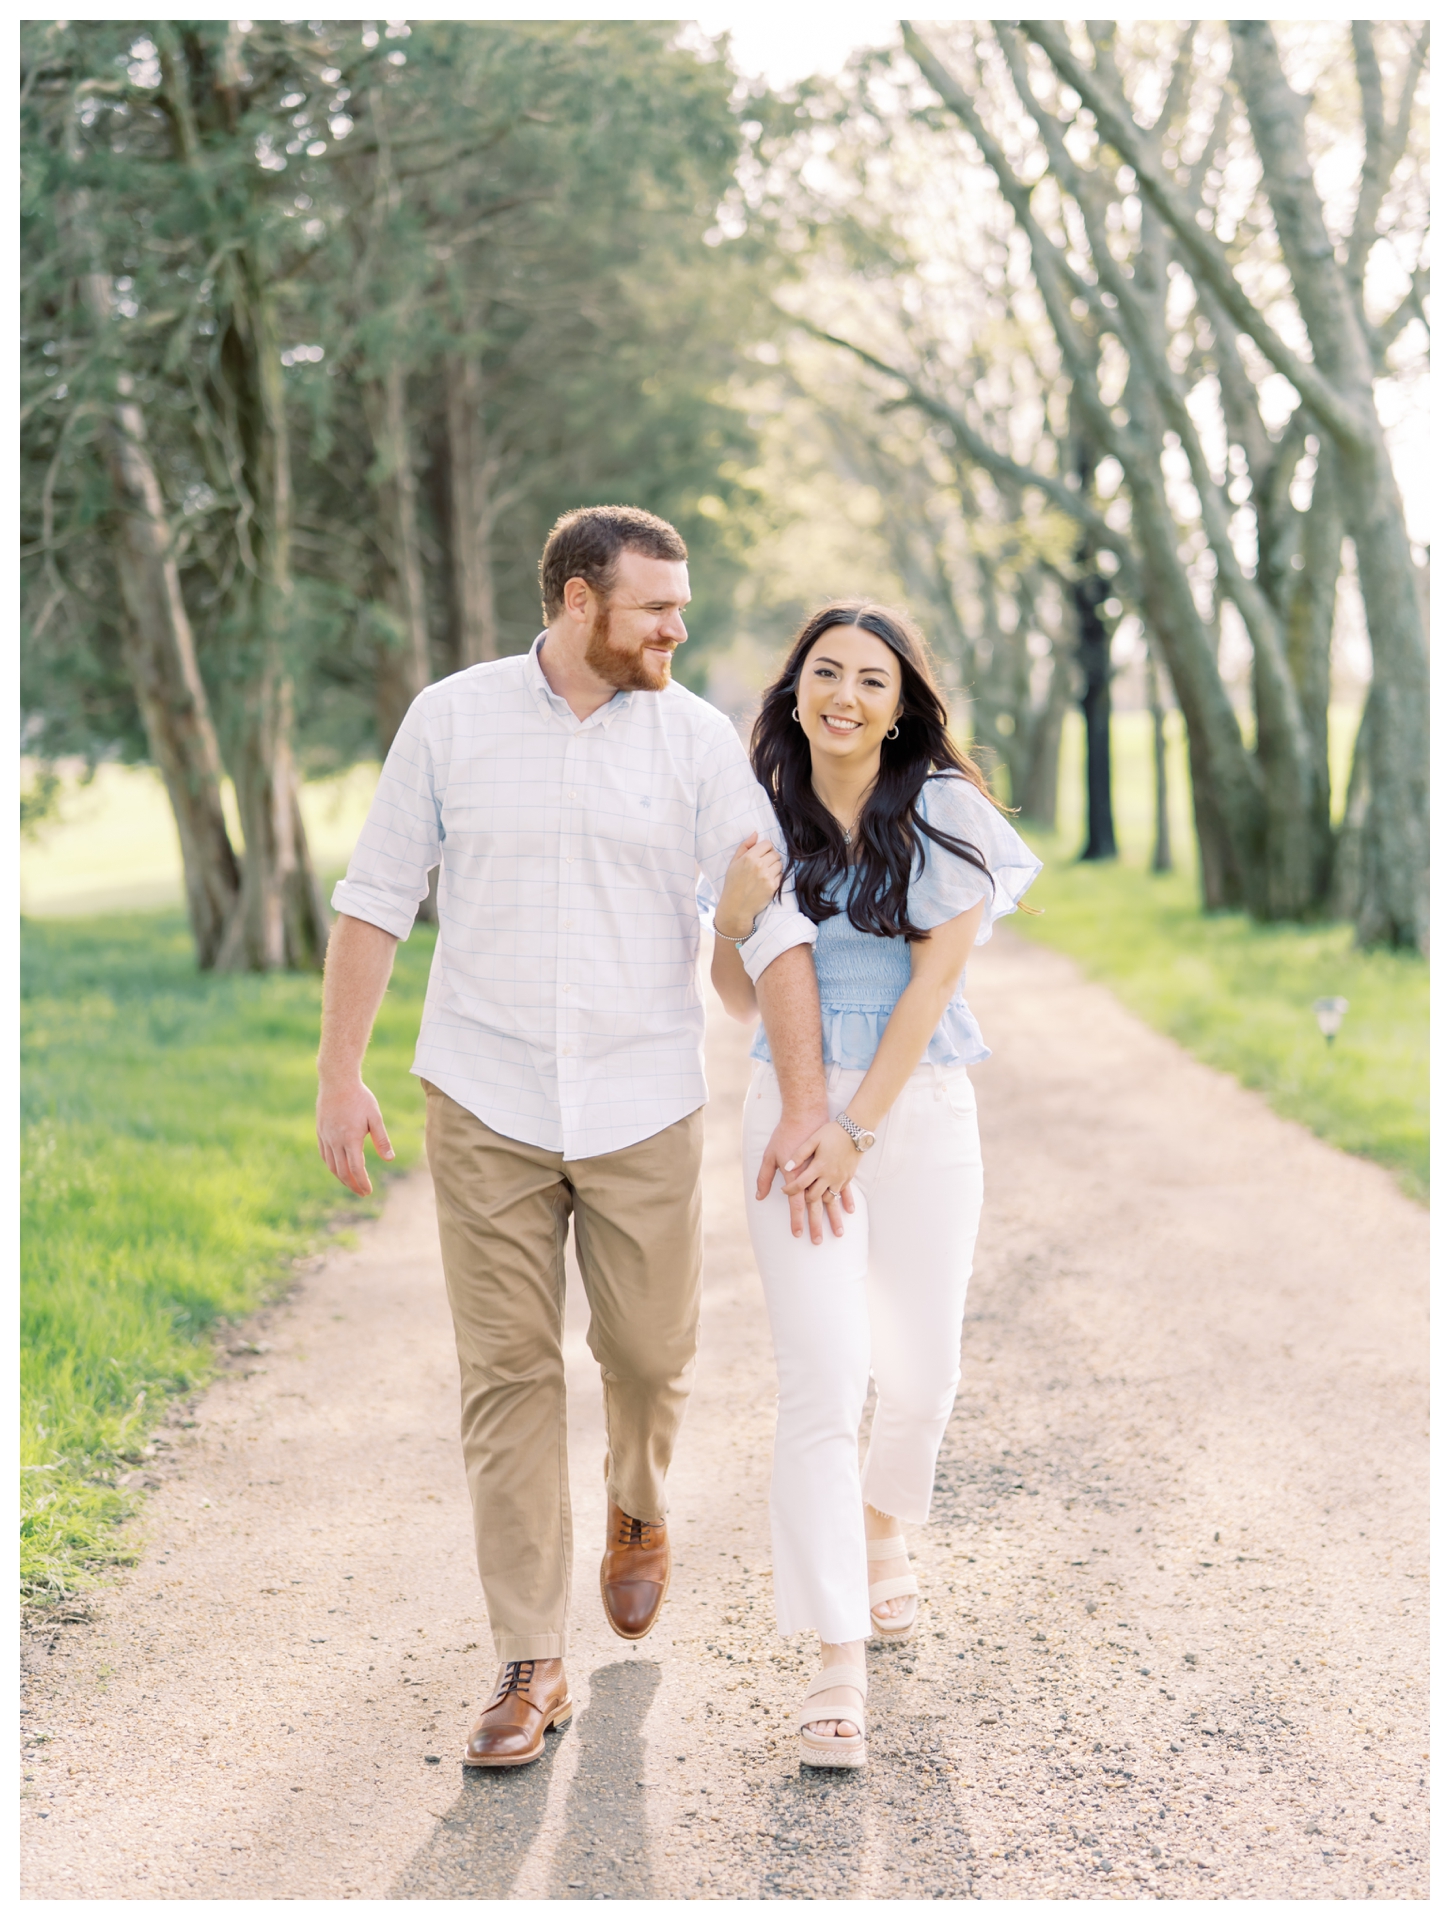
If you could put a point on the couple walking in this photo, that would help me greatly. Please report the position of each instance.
(583, 807)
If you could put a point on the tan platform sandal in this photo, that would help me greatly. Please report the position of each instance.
(897, 1587)
(820, 1750)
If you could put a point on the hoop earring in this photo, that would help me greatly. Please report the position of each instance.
(892, 732)
(795, 714)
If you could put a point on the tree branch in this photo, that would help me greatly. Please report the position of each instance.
(1383, 149)
(1049, 266)
(1412, 307)
(1000, 465)
(1205, 253)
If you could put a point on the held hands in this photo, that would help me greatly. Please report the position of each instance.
(825, 1163)
(802, 1151)
(346, 1115)
(751, 881)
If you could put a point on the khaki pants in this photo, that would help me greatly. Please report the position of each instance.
(503, 1213)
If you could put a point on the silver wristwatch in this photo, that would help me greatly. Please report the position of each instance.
(862, 1141)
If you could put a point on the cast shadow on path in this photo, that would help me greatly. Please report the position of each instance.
(482, 1844)
(604, 1847)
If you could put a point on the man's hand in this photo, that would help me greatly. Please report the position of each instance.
(346, 1115)
(789, 1153)
(359, 960)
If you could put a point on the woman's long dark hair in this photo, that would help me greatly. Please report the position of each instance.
(889, 841)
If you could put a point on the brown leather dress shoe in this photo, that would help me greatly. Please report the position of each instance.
(531, 1696)
(634, 1575)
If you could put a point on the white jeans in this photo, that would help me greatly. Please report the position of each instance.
(885, 1300)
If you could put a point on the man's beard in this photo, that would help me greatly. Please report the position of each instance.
(617, 666)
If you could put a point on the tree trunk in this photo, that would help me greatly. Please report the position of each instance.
(161, 662)
(1040, 785)
(1227, 803)
(160, 658)
(1347, 884)
(471, 513)
(1299, 569)
(1094, 652)
(282, 921)
(1162, 861)
(1094, 656)
(404, 667)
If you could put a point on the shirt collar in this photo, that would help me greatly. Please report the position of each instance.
(556, 702)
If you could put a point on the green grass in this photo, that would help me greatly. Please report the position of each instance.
(169, 1175)
(1238, 995)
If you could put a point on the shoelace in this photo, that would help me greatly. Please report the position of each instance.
(636, 1533)
(517, 1678)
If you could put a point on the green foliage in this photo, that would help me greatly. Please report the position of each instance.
(537, 196)
(169, 1173)
(39, 801)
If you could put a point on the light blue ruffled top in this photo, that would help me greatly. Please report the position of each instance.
(861, 975)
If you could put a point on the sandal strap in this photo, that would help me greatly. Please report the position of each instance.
(837, 1677)
(894, 1589)
(886, 1549)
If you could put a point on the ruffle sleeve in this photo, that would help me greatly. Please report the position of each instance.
(949, 886)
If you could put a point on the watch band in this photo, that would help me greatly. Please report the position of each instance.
(861, 1140)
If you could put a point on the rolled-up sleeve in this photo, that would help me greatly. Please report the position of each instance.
(733, 804)
(401, 839)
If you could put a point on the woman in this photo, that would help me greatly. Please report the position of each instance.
(899, 854)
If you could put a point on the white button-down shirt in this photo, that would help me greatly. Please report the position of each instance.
(563, 1005)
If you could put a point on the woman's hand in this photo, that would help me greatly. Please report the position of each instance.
(822, 1170)
(751, 881)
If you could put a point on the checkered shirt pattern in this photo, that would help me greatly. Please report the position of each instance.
(563, 1004)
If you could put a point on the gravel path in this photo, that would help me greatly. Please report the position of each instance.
(1175, 1636)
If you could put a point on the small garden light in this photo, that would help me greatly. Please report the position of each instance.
(1329, 1013)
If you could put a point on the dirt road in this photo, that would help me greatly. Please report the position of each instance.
(1175, 1635)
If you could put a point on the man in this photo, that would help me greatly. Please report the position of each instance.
(572, 796)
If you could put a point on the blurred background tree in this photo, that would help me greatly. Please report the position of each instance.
(1076, 338)
(323, 327)
(1146, 352)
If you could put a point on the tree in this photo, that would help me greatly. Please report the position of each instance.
(157, 139)
(1262, 813)
(1142, 333)
(896, 265)
(1336, 390)
(385, 302)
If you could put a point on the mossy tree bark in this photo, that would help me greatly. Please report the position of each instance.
(160, 652)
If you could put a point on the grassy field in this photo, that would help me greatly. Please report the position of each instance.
(169, 1175)
(111, 846)
(1238, 995)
